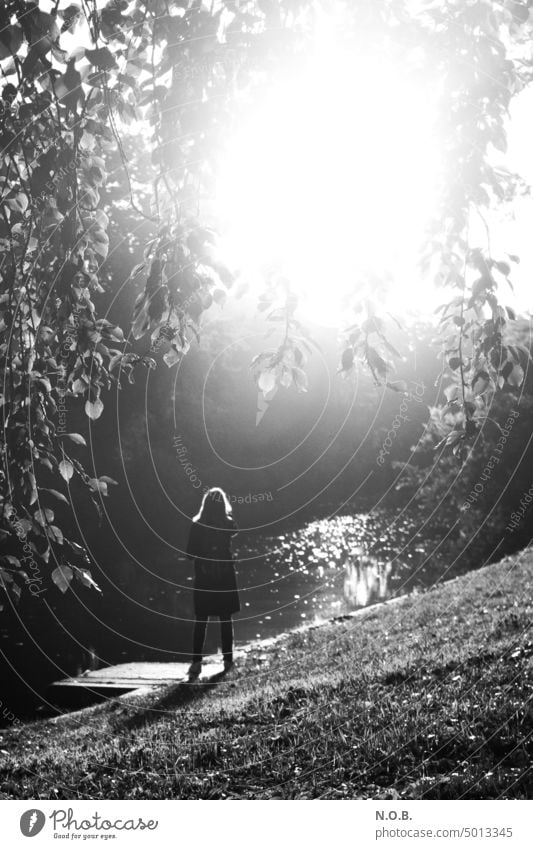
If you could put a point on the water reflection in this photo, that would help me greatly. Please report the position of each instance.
(329, 567)
(366, 580)
(326, 568)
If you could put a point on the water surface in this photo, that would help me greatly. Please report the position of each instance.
(326, 568)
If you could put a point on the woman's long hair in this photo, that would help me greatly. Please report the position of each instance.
(215, 509)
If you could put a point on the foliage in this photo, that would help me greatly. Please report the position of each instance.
(476, 499)
(83, 84)
(60, 110)
(478, 72)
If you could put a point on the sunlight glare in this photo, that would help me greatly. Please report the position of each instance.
(331, 180)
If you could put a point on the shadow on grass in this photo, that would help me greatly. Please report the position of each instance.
(175, 697)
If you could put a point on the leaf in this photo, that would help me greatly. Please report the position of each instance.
(507, 369)
(18, 203)
(397, 386)
(87, 140)
(51, 217)
(300, 379)
(13, 561)
(376, 362)
(286, 378)
(480, 382)
(503, 267)
(56, 494)
(77, 438)
(172, 356)
(78, 549)
(516, 377)
(79, 386)
(71, 15)
(86, 579)
(10, 41)
(137, 270)
(102, 58)
(58, 53)
(98, 485)
(44, 383)
(99, 214)
(266, 381)
(347, 359)
(519, 11)
(33, 484)
(454, 362)
(66, 470)
(62, 576)
(454, 437)
(56, 534)
(452, 392)
(42, 517)
(94, 409)
(101, 248)
(116, 333)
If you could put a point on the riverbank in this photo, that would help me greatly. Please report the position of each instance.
(429, 697)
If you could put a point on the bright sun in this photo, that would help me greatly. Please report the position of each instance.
(330, 180)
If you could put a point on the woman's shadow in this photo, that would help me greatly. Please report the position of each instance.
(176, 696)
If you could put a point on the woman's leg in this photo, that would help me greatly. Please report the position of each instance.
(198, 639)
(226, 634)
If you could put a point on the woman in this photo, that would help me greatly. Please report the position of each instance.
(215, 583)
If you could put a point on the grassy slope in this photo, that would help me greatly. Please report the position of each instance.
(427, 698)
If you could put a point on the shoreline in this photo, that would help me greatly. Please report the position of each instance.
(425, 695)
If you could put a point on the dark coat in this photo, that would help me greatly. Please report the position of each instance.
(215, 582)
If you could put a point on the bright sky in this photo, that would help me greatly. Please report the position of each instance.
(330, 179)
(334, 177)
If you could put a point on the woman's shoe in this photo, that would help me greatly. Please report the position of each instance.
(194, 670)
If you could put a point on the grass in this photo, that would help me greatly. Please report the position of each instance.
(429, 697)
